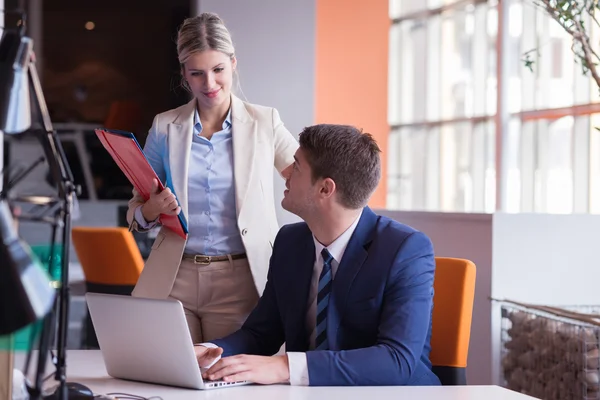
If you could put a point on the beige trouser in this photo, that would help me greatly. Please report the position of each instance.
(217, 298)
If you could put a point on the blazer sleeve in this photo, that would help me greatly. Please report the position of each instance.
(403, 327)
(153, 149)
(285, 145)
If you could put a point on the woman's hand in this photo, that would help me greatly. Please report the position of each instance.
(160, 203)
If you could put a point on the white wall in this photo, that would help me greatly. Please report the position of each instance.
(549, 259)
(464, 236)
(275, 46)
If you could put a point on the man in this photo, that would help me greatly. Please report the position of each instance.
(348, 291)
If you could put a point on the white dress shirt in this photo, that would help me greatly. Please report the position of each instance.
(298, 364)
(297, 361)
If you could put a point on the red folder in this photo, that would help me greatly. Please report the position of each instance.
(129, 156)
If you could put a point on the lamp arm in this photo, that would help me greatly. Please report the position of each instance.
(55, 154)
(63, 177)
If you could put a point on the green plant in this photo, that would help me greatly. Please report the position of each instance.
(576, 17)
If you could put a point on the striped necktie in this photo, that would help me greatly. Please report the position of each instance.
(325, 281)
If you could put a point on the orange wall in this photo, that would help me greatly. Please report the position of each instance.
(351, 70)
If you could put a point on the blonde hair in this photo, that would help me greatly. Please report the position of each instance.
(206, 31)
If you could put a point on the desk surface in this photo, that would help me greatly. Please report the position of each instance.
(87, 367)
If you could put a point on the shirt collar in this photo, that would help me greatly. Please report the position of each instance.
(198, 124)
(338, 247)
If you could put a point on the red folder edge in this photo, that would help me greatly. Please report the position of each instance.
(130, 158)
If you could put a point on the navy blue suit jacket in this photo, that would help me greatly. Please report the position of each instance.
(379, 313)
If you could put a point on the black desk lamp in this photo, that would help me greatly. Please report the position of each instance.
(25, 291)
(19, 78)
(26, 294)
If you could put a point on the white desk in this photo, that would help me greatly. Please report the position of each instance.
(87, 367)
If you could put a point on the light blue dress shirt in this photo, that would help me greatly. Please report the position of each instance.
(212, 219)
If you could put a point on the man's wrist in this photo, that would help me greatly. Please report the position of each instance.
(285, 369)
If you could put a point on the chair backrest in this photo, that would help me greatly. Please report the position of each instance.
(454, 291)
(108, 255)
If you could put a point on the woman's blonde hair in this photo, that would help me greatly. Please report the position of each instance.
(207, 31)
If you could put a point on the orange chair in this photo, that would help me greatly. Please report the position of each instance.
(111, 263)
(454, 291)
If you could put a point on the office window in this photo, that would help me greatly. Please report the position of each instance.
(442, 101)
(443, 104)
(553, 118)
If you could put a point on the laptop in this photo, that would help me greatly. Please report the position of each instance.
(147, 340)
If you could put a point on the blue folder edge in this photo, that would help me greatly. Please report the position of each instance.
(131, 136)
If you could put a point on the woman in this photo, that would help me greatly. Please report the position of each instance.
(216, 155)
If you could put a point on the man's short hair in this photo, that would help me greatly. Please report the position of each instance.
(348, 156)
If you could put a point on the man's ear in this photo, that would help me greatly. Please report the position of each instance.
(327, 187)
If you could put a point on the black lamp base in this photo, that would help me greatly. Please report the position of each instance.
(75, 391)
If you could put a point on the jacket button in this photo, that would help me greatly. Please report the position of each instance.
(244, 231)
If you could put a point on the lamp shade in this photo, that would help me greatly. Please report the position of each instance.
(26, 294)
(15, 106)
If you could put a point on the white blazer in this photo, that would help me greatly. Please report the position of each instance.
(260, 141)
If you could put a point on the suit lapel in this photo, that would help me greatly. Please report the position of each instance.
(299, 289)
(180, 134)
(352, 260)
(244, 143)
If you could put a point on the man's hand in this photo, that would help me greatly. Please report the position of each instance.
(207, 355)
(256, 369)
(160, 202)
